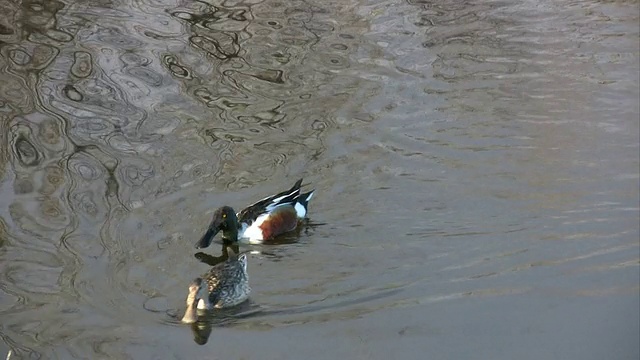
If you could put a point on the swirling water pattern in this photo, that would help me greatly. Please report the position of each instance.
(476, 166)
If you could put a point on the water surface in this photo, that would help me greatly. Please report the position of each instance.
(476, 167)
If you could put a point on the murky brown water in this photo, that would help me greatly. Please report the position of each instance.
(476, 167)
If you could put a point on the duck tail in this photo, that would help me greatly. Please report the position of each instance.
(305, 198)
(296, 186)
(301, 202)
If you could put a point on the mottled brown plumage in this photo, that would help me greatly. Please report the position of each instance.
(224, 285)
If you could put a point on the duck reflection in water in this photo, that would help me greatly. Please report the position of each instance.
(201, 330)
(215, 260)
(207, 320)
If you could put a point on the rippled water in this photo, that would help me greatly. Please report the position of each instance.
(476, 167)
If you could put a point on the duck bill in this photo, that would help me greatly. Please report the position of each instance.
(190, 315)
(206, 239)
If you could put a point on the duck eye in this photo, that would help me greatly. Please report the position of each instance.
(224, 216)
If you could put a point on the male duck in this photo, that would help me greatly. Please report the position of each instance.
(224, 285)
(262, 221)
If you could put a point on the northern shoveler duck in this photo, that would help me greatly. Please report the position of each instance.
(272, 216)
(224, 285)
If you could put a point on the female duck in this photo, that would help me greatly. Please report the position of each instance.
(224, 285)
(272, 216)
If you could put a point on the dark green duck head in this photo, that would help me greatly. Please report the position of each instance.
(225, 220)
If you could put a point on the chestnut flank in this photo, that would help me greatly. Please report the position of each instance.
(283, 219)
